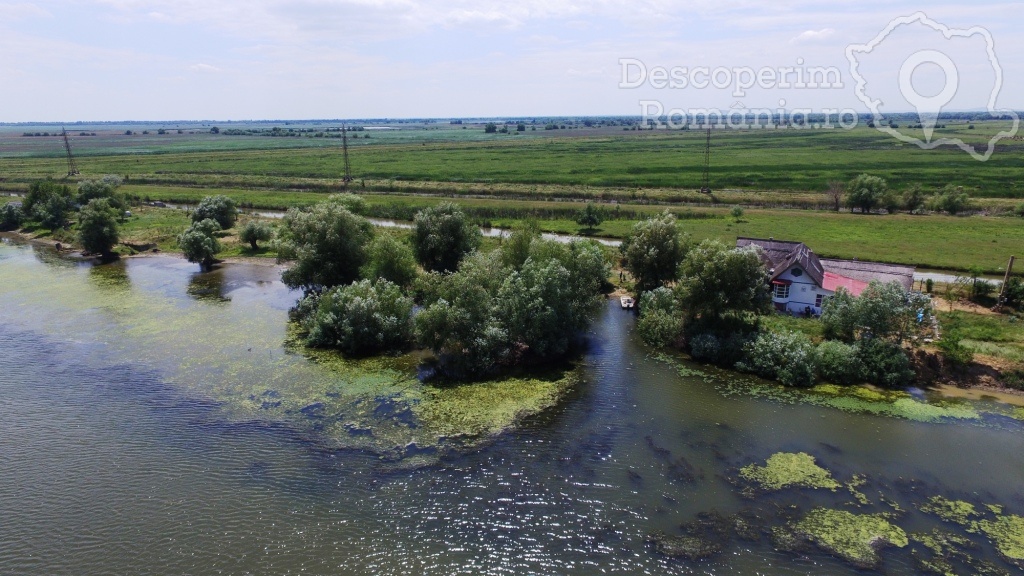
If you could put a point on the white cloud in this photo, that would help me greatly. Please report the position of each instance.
(10, 12)
(814, 35)
(203, 68)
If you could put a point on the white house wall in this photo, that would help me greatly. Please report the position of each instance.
(803, 292)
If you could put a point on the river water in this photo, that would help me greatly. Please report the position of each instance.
(127, 447)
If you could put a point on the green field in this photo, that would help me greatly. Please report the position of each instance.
(796, 161)
(779, 175)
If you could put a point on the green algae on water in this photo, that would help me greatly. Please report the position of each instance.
(956, 511)
(855, 538)
(856, 482)
(1007, 534)
(487, 408)
(784, 470)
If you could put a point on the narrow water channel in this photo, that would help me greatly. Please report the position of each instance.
(130, 444)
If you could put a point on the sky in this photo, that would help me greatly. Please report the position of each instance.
(108, 60)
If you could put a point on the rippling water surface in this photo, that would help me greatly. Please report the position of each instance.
(117, 456)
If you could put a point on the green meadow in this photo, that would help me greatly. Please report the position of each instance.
(778, 175)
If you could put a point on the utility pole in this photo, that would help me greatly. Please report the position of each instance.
(344, 146)
(706, 188)
(72, 167)
(1006, 280)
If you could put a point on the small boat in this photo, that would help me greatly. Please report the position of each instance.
(627, 302)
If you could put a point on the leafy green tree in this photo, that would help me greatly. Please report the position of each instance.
(366, 317)
(720, 281)
(884, 311)
(198, 243)
(515, 248)
(736, 213)
(914, 199)
(351, 202)
(105, 187)
(653, 250)
(590, 217)
(458, 321)
(865, 192)
(11, 217)
(39, 195)
(97, 227)
(220, 209)
(535, 307)
(53, 211)
(487, 315)
(255, 232)
(390, 259)
(490, 128)
(442, 235)
(327, 243)
(839, 316)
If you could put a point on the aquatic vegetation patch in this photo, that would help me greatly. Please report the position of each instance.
(1018, 414)
(956, 511)
(487, 408)
(852, 486)
(1007, 534)
(784, 470)
(941, 542)
(855, 538)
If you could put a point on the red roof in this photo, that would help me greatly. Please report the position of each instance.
(834, 282)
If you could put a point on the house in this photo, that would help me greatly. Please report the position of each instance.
(801, 281)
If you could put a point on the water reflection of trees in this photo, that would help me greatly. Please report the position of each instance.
(209, 286)
(111, 277)
(49, 256)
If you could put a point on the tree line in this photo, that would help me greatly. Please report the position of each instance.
(711, 300)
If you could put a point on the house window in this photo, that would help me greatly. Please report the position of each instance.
(819, 300)
(782, 291)
(796, 272)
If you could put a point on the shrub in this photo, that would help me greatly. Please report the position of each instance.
(442, 235)
(839, 363)
(10, 217)
(1014, 379)
(784, 356)
(254, 232)
(198, 244)
(952, 200)
(706, 348)
(359, 319)
(390, 259)
(220, 209)
(1015, 292)
(885, 363)
(1020, 210)
(660, 323)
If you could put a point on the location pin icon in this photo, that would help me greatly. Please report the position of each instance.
(928, 107)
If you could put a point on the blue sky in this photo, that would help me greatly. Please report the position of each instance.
(269, 59)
